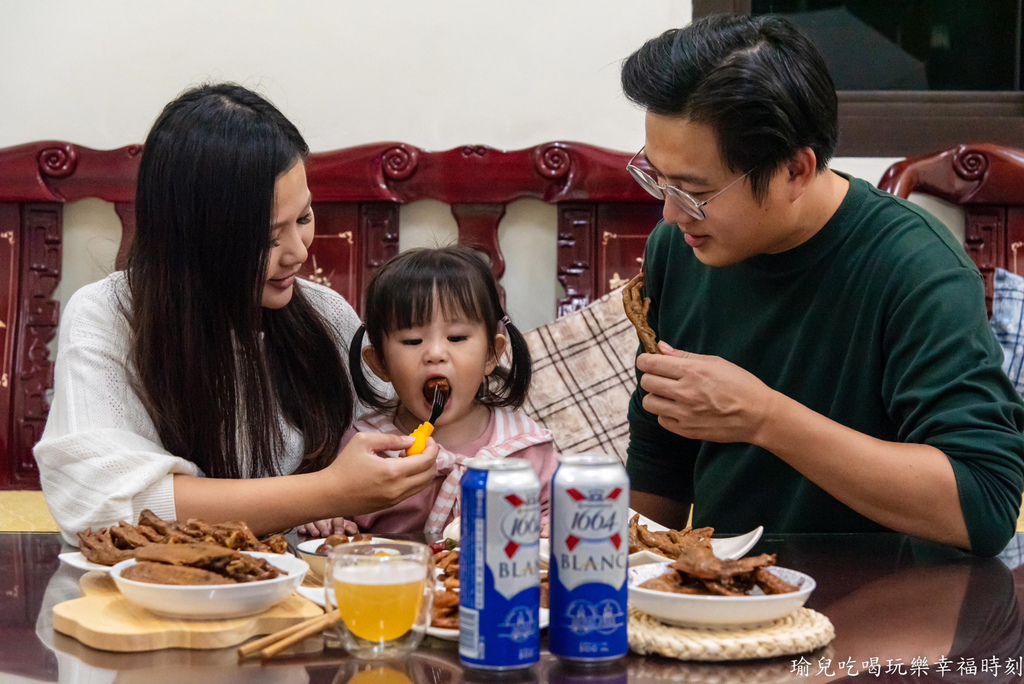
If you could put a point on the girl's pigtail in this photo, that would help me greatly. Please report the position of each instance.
(360, 384)
(520, 371)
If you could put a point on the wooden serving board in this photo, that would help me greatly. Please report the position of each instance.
(102, 618)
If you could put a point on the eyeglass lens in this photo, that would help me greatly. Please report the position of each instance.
(652, 187)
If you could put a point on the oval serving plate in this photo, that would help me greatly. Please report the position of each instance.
(78, 561)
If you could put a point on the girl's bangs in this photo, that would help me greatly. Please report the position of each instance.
(409, 302)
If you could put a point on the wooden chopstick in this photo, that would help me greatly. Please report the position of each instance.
(272, 644)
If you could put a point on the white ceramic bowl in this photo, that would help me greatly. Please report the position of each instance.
(214, 602)
(317, 563)
(717, 612)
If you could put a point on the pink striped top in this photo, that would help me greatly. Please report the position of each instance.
(510, 434)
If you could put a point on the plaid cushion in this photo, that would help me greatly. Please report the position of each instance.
(583, 376)
(1008, 323)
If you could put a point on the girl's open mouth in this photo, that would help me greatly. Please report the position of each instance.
(436, 383)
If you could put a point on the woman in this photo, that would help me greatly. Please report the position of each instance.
(206, 380)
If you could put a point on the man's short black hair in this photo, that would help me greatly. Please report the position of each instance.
(757, 81)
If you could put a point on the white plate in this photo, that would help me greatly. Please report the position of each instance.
(217, 601)
(78, 560)
(318, 596)
(719, 612)
(724, 547)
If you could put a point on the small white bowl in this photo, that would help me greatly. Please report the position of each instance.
(717, 612)
(317, 563)
(218, 601)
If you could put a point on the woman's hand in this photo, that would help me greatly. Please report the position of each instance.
(366, 480)
(360, 480)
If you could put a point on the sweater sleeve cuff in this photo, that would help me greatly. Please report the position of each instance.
(158, 497)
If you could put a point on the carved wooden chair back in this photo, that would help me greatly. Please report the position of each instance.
(604, 218)
(987, 181)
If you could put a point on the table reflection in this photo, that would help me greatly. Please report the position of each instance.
(903, 611)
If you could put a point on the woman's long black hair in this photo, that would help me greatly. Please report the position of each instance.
(401, 295)
(213, 367)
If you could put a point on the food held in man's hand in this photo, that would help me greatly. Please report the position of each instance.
(109, 546)
(196, 563)
(637, 308)
(699, 571)
(669, 543)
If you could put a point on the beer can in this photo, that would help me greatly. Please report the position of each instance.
(589, 558)
(499, 565)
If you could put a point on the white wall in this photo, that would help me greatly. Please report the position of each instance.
(433, 73)
(509, 74)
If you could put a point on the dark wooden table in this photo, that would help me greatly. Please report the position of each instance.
(896, 603)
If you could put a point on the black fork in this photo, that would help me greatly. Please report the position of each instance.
(435, 411)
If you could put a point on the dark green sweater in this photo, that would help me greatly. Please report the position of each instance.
(879, 323)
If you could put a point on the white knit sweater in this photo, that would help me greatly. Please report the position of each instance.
(100, 458)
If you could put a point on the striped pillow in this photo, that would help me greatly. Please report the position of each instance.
(1008, 323)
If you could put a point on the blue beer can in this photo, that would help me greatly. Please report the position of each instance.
(499, 565)
(589, 558)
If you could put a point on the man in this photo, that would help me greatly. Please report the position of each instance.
(829, 364)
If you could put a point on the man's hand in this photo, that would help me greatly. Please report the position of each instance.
(907, 487)
(704, 397)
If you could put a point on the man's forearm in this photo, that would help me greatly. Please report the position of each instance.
(909, 488)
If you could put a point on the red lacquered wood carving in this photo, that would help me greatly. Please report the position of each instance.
(378, 222)
(10, 252)
(604, 218)
(577, 223)
(36, 326)
(986, 180)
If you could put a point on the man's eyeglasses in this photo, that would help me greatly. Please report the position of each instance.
(685, 201)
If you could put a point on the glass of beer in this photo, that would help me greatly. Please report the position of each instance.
(384, 590)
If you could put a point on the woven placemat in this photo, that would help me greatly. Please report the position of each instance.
(801, 631)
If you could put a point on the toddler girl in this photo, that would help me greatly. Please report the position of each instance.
(431, 314)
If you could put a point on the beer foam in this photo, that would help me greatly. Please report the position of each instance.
(391, 572)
